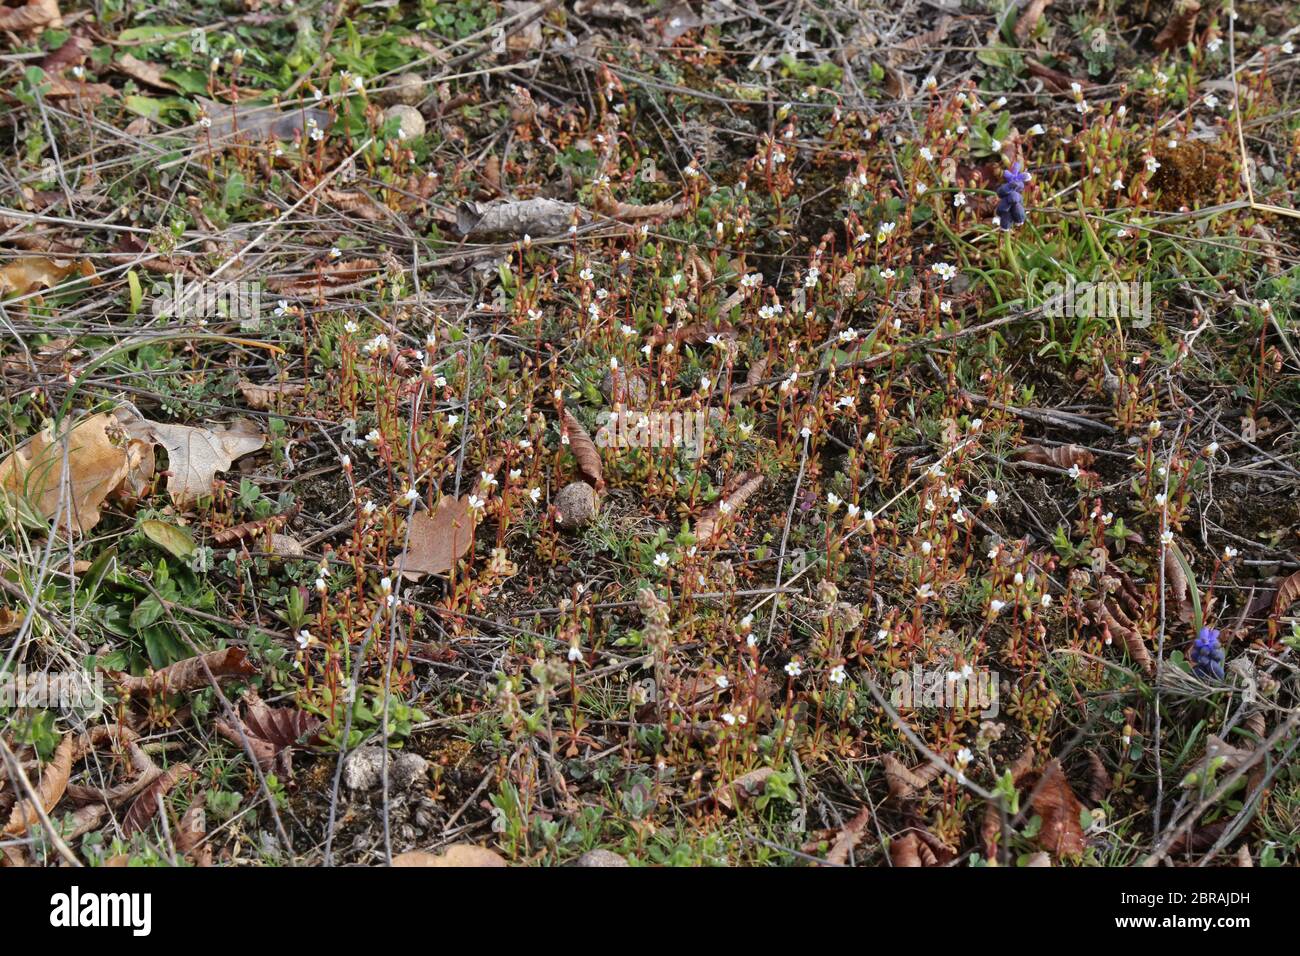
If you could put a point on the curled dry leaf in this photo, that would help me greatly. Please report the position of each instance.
(49, 791)
(35, 15)
(738, 491)
(1112, 625)
(909, 850)
(1176, 587)
(1288, 593)
(145, 807)
(1220, 758)
(1060, 810)
(89, 465)
(438, 539)
(609, 206)
(584, 450)
(32, 273)
(195, 454)
(190, 673)
(1062, 456)
(849, 838)
(458, 854)
(743, 789)
(262, 397)
(329, 274)
(150, 74)
(10, 621)
(191, 833)
(1029, 18)
(272, 733)
(905, 783)
(518, 218)
(1099, 779)
(1178, 28)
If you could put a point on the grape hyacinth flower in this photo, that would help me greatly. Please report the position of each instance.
(1011, 200)
(1207, 655)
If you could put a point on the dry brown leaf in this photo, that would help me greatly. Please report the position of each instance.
(518, 218)
(1176, 586)
(1029, 18)
(848, 839)
(1099, 779)
(73, 51)
(458, 854)
(1054, 79)
(738, 491)
(54, 780)
(195, 454)
(150, 74)
(438, 540)
(329, 274)
(272, 733)
(35, 15)
(54, 87)
(584, 449)
(1107, 616)
(1054, 801)
(31, 273)
(262, 397)
(1268, 248)
(908, 851)
(96, 457)
(905, 783)
(1062, 456)
(10, 621)
(145, 807)
(191, 833)
(190, 673)
(358, 203)
(1288, 593)
(743, 789)
(1178, 29)
(609, 206)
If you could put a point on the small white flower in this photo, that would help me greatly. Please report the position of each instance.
(305, 640)
(1229, 553)
(661, 560)
(575, 654)
(793, 668)
(996, 606)
(837, 674)
(386, 585)
(411, 496)
(1167, 537)
(722, 682)
(959, 200)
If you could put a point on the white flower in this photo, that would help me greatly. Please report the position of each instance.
(378, 344)
(1167, 537)
(995, 605)
(475, 503)
(1074, 472)
(1045, 600)
(1213, 44)
(832, 499)
(586, 275)
(661, 560)
(1229, 553)
(885, 230)
(487, 479)
(305, 640)
(535, 494)
(837, 674)
(729, 719)
(722, 682)
(411, 496)
(959, 200)
(1288, 47)
(386, 585)
(1152, 164)
(575, 654)
(926, 154)
(944, 270)
(964, 757)
(793, 668)
(1035, 130)
(1210, 101)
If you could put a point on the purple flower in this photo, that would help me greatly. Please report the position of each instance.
(1011, 200)
(1207, 655)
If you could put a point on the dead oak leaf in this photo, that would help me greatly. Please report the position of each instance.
(34, 15)
(195, 454)
(1060, 810)
(438, 539)
(458, 854)
(54, 780)
(85, 463)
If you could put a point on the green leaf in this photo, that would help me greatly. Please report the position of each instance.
(172, 538)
